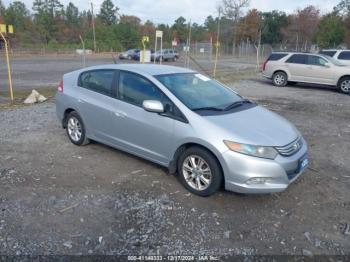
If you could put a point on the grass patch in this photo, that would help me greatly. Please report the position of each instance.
(228, 78)
(21, 95)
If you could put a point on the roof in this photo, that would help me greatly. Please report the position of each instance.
(150, 69)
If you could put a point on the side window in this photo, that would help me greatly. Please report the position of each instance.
(134, 89)
(345, 55)
(99, 81)
(297, 59)
(316, 60)
(276, 57)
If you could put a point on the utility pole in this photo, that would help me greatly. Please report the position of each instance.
(83, 44)
(93, 25)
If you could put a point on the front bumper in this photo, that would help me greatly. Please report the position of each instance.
(280, 172)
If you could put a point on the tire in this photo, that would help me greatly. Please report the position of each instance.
(129, 57)
(280, 79)
(344, 85)
(208, 173)
(76, 130)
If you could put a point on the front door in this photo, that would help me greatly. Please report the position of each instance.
(322, 71)
(147, 134)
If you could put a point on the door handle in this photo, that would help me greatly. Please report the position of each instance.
(120, 114)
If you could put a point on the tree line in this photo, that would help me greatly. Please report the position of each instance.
(50, 24)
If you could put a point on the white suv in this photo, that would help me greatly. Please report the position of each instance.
(291, 68)
(342, 55)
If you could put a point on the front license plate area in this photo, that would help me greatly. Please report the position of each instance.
(303, 163)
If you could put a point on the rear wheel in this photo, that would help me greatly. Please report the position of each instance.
(76, 130)
(280, 79)
(344, 85)
(199, 171)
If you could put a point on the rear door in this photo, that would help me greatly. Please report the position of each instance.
(97, 91)
(298, 67)
(321, 71)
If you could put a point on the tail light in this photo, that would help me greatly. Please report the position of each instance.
(60, 87)
(264, 65)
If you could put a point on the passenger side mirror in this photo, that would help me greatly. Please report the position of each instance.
(153, 106)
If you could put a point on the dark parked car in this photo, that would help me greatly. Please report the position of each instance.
(136, 57)
(129, 54)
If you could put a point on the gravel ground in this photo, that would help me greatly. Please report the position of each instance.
(58, 199)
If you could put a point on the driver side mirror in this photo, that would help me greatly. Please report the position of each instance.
(153, 106)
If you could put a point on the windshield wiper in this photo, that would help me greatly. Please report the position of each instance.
(237, 104)
(209, 108)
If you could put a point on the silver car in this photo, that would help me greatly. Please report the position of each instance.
(291, 68)
(165, 55)
(199, 129)
(343, 56)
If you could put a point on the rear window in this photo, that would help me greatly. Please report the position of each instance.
(298, 59)
(276, 57)
(345, 55)
(329, 53)
(99, 81)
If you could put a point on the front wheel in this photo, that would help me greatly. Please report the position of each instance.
(344, 85)
(76, 130)
(280, 79)
(199, 171)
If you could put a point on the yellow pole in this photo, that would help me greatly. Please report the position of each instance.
(143, 53)
(216, 59)
(217, 45)
(8, 65)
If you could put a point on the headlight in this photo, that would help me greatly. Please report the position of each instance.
(250, 150)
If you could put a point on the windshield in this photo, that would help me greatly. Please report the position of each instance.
(328, 53)
(333, 60)
(197, 91)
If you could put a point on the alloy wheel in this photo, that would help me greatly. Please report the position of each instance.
(345, 86)
(74, 129)
(197, 172)
(279, 79)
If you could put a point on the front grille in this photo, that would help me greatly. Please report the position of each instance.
(291, 148)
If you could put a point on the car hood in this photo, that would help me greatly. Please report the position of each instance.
(256, 126)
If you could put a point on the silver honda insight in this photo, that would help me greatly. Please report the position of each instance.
(199, 129)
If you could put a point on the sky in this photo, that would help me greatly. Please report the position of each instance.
(166, 11)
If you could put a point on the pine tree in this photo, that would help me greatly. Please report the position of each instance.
(72, 14)
(108, 13)
(2, 9)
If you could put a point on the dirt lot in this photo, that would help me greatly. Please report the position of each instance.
(57, 198)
